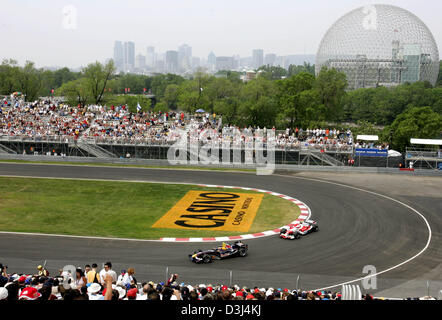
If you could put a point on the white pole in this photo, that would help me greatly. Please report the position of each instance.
(297, 283)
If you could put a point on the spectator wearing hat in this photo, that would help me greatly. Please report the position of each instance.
(42, 271)
(250, 297)
(3, 293)
(29, 293)
(93, 292)
(132, 294)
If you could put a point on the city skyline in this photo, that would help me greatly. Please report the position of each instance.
(181, 60)
(72, 34)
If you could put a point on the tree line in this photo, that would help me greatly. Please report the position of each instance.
(275, 98)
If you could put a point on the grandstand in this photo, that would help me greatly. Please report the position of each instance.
(50, 127)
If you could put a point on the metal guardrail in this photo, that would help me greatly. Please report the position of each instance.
(166, 163)
(301, 147)
(423, 154)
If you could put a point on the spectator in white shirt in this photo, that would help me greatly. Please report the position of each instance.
(108, 270)
(128, 278)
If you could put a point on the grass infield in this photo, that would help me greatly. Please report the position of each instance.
(112, 209)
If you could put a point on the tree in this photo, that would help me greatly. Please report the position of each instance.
(29, 80)
(135, 82)
(8, 76)
(160, 82)
(97, 77)
(416, 122)
(64, 75)
(365, 127)
(77, 92)
(312, 113)
(219, 89)
(232, 76)
(193, 93)
(228, 109)
(331, 86)
(171, 96)
(189, 96)
(306, 67)
(161, 107)
(272, 72)
(258, 105)
(289, 91)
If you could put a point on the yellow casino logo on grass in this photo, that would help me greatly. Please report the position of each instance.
(212, 210)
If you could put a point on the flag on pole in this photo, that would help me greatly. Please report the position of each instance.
(138, 107)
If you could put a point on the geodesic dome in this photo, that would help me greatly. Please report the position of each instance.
(380, 45)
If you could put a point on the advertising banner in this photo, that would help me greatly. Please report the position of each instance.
(360, 152)
(212, 210)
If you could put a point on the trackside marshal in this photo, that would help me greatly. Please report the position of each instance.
(212, 210)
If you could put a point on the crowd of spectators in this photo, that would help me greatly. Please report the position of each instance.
(89, 283)
(372, 145)
(45, 119)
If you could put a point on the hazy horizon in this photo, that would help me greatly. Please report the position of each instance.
(38, 30)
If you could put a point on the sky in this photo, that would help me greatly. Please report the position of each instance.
(77, 32)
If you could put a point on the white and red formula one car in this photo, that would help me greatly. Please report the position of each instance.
(295, 231)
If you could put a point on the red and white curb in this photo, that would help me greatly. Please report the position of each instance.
(304, 215)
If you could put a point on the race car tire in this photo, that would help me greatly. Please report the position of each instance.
(207, 258)
(242, 252)
(283, 230)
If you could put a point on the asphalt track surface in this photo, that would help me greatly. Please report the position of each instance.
(356, 229)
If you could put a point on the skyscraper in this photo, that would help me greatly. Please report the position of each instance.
(270, 59)
(150, 57)
(258, 58)
(140, 62)
(196, 62)
(129, 56)
(185, 57)
(225, 63)
(211, 59)
(119, 55)
(172, 61)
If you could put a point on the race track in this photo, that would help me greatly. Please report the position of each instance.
(357, 228)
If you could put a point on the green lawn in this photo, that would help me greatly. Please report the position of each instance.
(111, 209)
